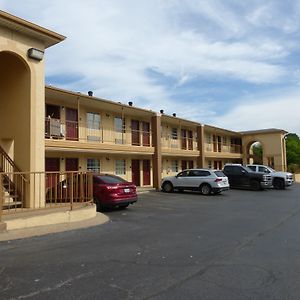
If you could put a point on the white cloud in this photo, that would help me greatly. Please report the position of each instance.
(112, 44)
(273, 111)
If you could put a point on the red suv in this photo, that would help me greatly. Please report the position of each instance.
(112, 191)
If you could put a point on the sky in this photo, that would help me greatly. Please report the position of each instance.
(232, 64)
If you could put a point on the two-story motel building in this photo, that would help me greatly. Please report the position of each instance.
(49, 129)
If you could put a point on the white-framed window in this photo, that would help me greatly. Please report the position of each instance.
(174, 166)
(120, 167)
(93, 120)
(225, 141)
(208, 138)
(174, 133)
(119, 124)
(93, 165)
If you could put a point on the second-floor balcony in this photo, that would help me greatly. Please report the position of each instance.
(221, 148)
(180, 143)
(80, 131)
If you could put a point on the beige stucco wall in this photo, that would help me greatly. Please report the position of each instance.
(273, 145)
(22, 102)
(107, 163)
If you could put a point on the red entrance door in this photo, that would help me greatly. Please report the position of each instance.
(183, 164)
(146, 172)
(135, 132)
(71, 164)
(71, 124)
(52, 165)
(146, 134)
(135, 170)
(190, 140)
(183, 139)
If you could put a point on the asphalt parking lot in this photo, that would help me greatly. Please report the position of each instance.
(237, 245)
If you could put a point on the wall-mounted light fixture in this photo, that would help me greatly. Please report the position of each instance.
(35, 54)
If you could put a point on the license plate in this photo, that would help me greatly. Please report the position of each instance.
(126, 190)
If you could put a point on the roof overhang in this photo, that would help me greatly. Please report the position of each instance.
(94, 102)
(48, 37)
(263, 131)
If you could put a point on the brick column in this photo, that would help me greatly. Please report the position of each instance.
(156, 141)
(200, 135)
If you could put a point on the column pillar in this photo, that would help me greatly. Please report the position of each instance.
(200, 135)
(156, 142)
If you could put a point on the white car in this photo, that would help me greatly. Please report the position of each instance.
(206, 181)
(280, 180)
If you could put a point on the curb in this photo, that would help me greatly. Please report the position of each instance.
(16, 234)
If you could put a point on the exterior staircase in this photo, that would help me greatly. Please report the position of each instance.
(13, 183)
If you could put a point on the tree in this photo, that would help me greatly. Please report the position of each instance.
(257, 153)
(293, 151)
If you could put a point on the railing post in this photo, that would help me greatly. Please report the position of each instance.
(90, 186)
(72, 191)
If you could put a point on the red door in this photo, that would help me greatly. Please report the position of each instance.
(190, 164)
(190, 139)
(146, 134)
(146, 172)
(135, 132)
(135, 170)
(71, 164)
(183, 139)
(71, 124)
(215, 145)
(183, 164)
(52, 165)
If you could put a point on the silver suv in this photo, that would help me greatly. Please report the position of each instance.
(204, 180)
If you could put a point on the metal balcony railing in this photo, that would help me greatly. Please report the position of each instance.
(221, 148)
(50, 189)
(82, 131)
(183, 143)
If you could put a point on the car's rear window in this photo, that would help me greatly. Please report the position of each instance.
(109, 179)
(219, 173)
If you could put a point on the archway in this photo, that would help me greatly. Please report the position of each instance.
(254, 152)
(15, 108)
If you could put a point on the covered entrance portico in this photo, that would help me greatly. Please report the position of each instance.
(273, 147)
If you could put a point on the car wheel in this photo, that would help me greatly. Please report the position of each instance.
(278, 184)
(205, 189)
(255, 185)
(167, 187)
(100, 207)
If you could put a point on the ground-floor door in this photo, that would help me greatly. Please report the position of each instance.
(52, 165)
(218, 165)
(71, 164)
(135, 170)
(146, 172)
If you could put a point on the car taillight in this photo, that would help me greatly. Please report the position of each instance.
(218, 179)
